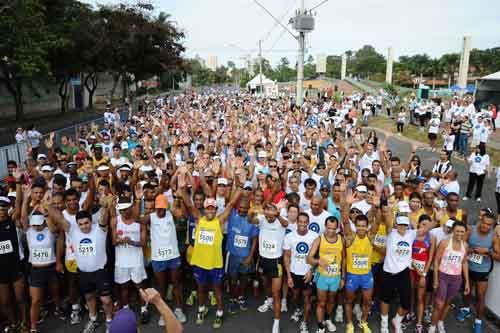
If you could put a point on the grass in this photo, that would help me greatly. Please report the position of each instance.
(412, 132)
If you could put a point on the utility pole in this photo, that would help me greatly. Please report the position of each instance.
(260, 68)
(300, 62)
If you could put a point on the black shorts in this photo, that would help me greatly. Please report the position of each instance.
(9, 275)
(478, 276)
(432, 136)
(99, 281)
(40, 277)
(429, 282)
(272, 268)
(298, 282)
(396, 283)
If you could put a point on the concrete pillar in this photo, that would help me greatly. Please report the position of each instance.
(464, 62)
(388, 72)
(343, 67)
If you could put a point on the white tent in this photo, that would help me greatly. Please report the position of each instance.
(270, 87)
(494, 76)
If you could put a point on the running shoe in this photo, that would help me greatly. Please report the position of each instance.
(191, 298)
(268, 303)
(478, 327)
(339, 314)
(181, 317)
(303, 327)
(200, 316)
(297, 314)
(218, 322)
(330, 326)
(349, 328)
(440, 327)
(463, 314)
(91, 326)
(243, 304)
(365, 328)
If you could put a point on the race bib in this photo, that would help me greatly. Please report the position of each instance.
(41, 255)
(379, 240)
(300, 258)
(476, 258)
(206, 237)
(332, 269)
(165, 253)
(269, 247)
(6, 247)
(86, 249)
(359, 262)
(240, 241)
(418, 265)
(453, 259)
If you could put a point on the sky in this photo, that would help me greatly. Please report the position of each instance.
(231, 29)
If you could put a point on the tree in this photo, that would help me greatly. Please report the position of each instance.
(367, 61)
(450, 63)
(310, 68)
(24, 44)
(333, 66)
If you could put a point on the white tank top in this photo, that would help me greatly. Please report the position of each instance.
(163, 237)
(89, 249)
(127, 256)
(70, 249)
(42, 247)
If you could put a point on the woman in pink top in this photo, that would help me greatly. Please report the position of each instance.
(449, 264)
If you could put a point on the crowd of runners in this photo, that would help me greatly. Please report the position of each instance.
(216, 198)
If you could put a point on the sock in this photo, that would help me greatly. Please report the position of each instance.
(270, 300)
(276, 322)
(384, 318)
(219, 313)
(201, 308)
(108, 320)
(177, 309)
(93, 317)
(144, 308)
(75, 307)
(478, 321)
(125, 306)
(283, 300)
(440, 323)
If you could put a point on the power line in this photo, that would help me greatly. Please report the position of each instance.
(275, 19)
(266, 36)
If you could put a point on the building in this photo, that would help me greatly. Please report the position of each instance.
(212, 63)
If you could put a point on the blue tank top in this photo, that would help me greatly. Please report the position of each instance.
(480, 263)
(332, 208)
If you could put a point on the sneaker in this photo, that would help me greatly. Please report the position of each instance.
(243, 304)
(478, 199)
(108, 326)
(410, 317)
(75, 317)
(303, 327)
(478, 327)
(320, 330)
(211, 297)
(440, 327)
(232, 306)
(144, 316)
(91, 326)
(284, 307)
(330, 326)
(349, 328)
(191, 298)
(268, 303)
(297, 314)
(59, 313)
(10, 328)
(463, 314)
(170, 292)
(43, 314)
(217, 322)
(384, 327)
(465, 198)
(339, 314)
(431, 329)
(357, 312)
(419, 328)
(161, 322)
(181, 317)
(365, 328)
(200, 316)
(276, 327)
(428, 315)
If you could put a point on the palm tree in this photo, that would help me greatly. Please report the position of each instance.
(450, 63)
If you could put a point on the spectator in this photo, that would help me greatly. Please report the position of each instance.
(479, 163)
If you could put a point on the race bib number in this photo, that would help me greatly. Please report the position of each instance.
(300, 258)
(418, 265)
(41, 255)
(165, 253)
(476, 258)
(402, 251)
(206, 237)
(269, 247)
(240, 241)
(6, 247)
(453, 259)
(379, 240)
(359, 262)
(332, 269)
(86, 249)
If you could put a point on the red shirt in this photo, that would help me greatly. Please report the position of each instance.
(277, 198)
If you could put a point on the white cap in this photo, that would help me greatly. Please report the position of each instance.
(46, 167)
(40, 156)
(403, 207)
(248, 184)
(450, 223)
(11, 194)
(403, 220)
(37, 219)
(262, 154)
(124, 145)
(146, 168)
(123, 205)
(103, 168)
(361, 188)
(125, 167)
(222, 181)
(159, 152)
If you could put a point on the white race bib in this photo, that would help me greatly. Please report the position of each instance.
(164, 253)
(332, 269)
(240, 241)
(418, 265)
(379, 240)
(476, 258)
(301, 258)
(6, 247)
(86, 249)
(41, 255)
(269, 247)
(359, 262)
(206, 237)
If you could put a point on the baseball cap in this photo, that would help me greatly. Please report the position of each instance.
(124, 204)
(124, 145)
(41, 156)
(210, 202)
(403, 220)
(262, 154)
(324, 183)
(103, 167)
(450, 223)
(146, 168)
(361, 188)
(124, 321)
(46, 167)
(247, 185)
(403, 207)
(161, 202)
(125, 167)
(222, 181)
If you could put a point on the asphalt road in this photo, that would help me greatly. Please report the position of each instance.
(252, 321)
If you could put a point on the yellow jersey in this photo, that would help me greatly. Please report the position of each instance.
(459, 216)
(380, 241)
(359, 256)
(332, 253)
(207, 251)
